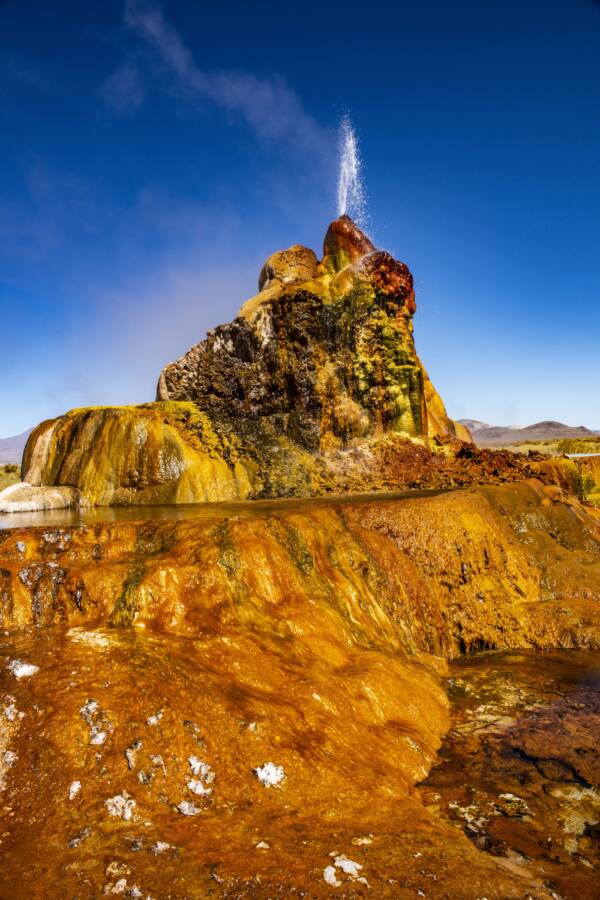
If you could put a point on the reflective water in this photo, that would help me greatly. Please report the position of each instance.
(56, 518)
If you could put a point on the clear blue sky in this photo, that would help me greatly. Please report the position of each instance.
(151, 158)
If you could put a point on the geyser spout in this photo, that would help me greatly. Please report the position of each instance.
(351, 192)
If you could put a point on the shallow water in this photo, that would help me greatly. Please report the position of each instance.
(58, 518)
(519, 771)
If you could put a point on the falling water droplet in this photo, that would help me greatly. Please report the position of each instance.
(352, 200)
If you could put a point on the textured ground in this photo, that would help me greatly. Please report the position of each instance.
(105, 766)
(240, 705)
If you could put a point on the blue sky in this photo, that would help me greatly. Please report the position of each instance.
(152, 156)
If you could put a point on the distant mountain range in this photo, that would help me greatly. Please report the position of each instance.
(486, 435)
(11, 448)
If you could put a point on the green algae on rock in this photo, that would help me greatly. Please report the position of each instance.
(323, 354)
(497, 567)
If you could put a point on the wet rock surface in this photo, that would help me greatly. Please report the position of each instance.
(497, 567)
(242, 704)
(171, 452)
(343, 821)
(520, 766)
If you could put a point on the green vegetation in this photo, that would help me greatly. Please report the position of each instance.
(555, 447)
(9, 474)
(579, 445)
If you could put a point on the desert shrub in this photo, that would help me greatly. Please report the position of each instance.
(579, 445)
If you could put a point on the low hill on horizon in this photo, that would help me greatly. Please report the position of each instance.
(11, 448)
(486, 435)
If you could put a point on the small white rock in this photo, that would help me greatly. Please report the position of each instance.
(121, 806)
(330, 876)
(157, 760)
(89, 708)
(10, 711)
(269, 774)
(198, 788)
(200, 768)
(74, 789)
(160, 847)
(188, 809)
(22, 669)
(348, 866)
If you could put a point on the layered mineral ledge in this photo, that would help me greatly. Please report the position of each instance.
(240, 705)
(315, 386)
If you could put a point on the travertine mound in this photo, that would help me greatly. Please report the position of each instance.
(323, 355)
(171, 452)
(315, 387)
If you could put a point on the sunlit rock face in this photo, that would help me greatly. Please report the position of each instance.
(157, 453)
(497, 567)
(324, 354)
(172, 452)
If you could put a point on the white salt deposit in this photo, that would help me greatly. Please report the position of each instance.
(269, 774)
(21, 669)
(188, 809)
(121, 806)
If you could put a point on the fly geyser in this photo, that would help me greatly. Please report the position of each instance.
(315, 386)
(260, 700)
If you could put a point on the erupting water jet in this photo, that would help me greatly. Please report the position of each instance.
(352, 200)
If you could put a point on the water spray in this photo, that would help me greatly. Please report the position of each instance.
(352, 200)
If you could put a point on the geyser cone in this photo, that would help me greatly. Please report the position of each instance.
(321, 360)
(344, 244)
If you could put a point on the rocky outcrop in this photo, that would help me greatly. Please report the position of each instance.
(496, 567)
(174, 453)
(314, 388)
(158, 453)
(323, 355)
